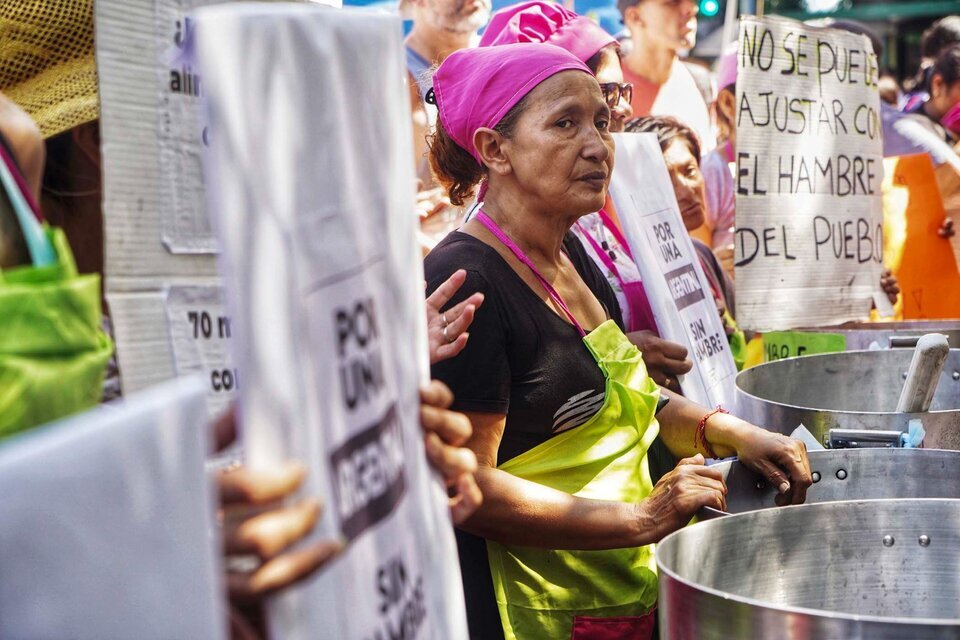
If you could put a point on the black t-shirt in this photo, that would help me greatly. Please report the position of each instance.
(522, 360)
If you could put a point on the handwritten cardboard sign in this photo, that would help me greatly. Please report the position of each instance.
(680, 296)
(157, 230)
(325, 281)
(809, 237)
(157, 235)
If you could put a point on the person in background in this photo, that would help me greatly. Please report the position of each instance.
(940, 112)
(600, 233)
(662, 83)
(719, 165)
(681, 153)
(440, 27)
(47, 67)
(560, 403)
(943, 33)
(21, 146)
(22, 139)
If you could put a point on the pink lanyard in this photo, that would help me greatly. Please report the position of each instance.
(604, 256)
(491, 226)
(728, 150)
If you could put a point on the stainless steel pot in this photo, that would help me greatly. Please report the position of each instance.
(881, 569)
(891, 335)
(855, 390)
(851, 474)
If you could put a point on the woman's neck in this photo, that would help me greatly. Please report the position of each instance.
(651, 62)
(539, 234)
(930, 112)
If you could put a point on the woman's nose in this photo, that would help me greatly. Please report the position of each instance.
(623, 110)
(595, 147)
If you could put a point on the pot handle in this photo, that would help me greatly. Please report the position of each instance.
(862, 439)
(903, 342)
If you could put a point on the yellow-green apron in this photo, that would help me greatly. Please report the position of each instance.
(541, 592)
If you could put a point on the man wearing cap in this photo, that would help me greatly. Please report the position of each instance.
(662, 83)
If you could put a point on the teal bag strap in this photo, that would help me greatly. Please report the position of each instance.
(39, 246)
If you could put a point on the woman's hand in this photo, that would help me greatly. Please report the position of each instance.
(260, 531)
(725, 256)
(665, 360)
(890, 285)
(781, 460)
(447, 330)
(431, 202)
(678, 496)
(445, 434)
(946, 229)
(258, 526)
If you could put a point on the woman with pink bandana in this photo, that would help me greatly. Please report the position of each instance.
(561, 405)
(600, 232)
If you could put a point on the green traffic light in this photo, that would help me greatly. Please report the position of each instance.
(709, 8)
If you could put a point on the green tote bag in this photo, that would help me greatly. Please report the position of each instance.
(53, 351)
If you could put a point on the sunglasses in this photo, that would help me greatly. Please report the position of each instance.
(613, 92)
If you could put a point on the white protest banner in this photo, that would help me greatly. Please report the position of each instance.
(106, 521)
(809, 229)
(679, 293)
(311, 188)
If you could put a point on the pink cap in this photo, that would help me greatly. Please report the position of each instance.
(476, 87)
(727, 66)
(548, 22)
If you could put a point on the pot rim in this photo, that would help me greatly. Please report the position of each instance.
(840, 412)
(818, 613)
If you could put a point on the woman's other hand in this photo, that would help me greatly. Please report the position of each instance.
(259, 530)
(682, 492)
(890, 285)
(261, 523)
(447, 330)
(725, 256)
(947, 229)
(665, 360)
(445, 434)
(431, 202)
(781, 460)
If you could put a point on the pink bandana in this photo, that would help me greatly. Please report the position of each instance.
(475, 88)
(547, 22)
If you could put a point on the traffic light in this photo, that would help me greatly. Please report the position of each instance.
(709, 8)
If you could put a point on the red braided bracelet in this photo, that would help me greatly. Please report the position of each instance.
(700, 436)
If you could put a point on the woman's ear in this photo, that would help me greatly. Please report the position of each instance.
(937, 85)
(491, 147)
(632, 17)
(727, 102)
